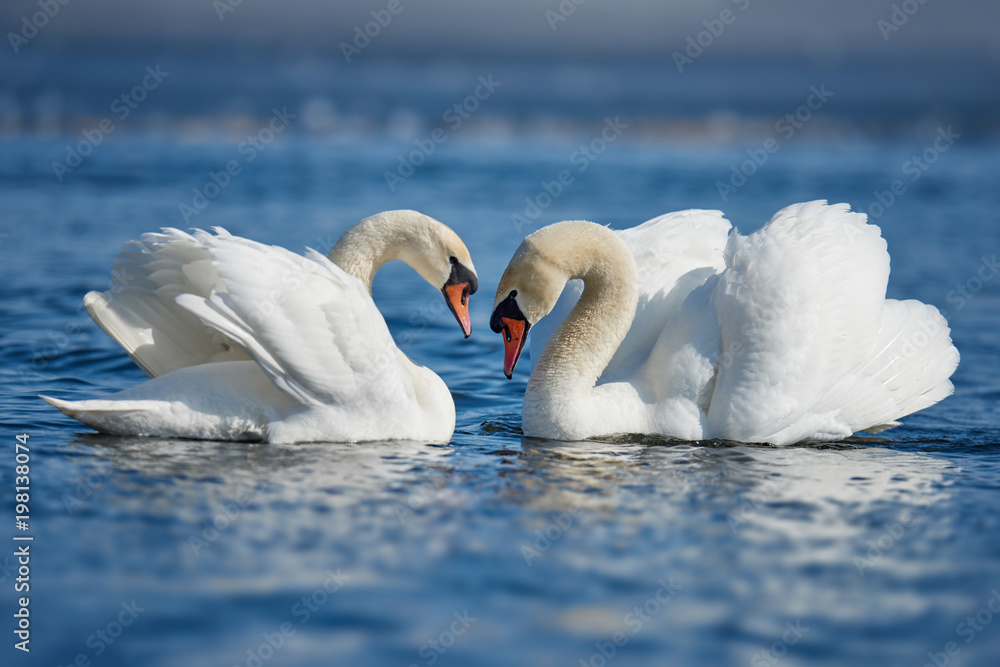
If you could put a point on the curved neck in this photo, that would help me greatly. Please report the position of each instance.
(581, 348)
(368, 245)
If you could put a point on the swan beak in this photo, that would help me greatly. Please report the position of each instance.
(515, 332)
(457, 296)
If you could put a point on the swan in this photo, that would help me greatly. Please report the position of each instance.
(245, 341)
(687, 329)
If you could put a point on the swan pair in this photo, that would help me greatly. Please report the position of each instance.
(680, 326)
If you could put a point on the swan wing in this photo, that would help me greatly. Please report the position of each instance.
(140, 312)
(812, 348)
(674, 254)
(311, 327)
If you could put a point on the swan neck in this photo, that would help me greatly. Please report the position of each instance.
(584, 344)
(368, 246)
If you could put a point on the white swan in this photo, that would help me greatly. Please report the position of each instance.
(252, 342)
(781, 336)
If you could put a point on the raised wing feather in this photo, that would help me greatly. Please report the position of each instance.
(674, 254)
(311, 327)
(816, 350)
(140, 312)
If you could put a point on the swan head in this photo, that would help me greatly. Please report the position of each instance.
(437, 253)
(528, 291)
(462, 282)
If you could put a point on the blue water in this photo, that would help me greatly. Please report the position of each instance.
(493, 549)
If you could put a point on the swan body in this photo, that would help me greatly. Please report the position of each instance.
(245, 341)
(686, 328)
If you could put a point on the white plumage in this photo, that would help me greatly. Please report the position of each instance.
(779, 336)
(246, 341)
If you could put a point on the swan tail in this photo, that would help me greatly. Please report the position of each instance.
(106, 416)
(914, 359)
(170, 416)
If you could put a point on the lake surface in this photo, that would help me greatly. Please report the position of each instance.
(493, 549)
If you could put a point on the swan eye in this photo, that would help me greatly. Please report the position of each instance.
(513, 292)
(453, 259)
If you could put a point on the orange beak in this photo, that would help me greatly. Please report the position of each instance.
(514, 334)
(457, 296)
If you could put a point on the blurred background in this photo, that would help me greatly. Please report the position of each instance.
(170, 92)
(289, 121)
(359, 70)
(685, 71)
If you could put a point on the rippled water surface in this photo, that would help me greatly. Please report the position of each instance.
(492, 549)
